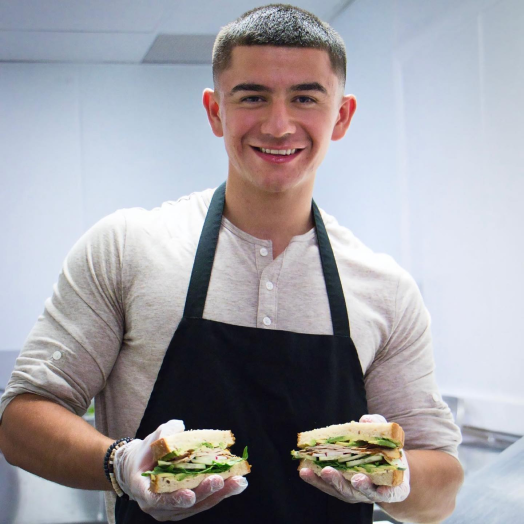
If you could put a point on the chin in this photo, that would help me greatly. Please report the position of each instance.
(278, 184)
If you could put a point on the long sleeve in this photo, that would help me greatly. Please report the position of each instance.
(401, 383)
(71, 349)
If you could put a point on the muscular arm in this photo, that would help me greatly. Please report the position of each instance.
(44, 438)
(435, 479)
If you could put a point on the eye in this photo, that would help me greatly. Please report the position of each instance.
(304, 99)
(252, 99)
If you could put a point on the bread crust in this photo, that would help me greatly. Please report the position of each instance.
(390, 478)
(354, 430)
(162, 483)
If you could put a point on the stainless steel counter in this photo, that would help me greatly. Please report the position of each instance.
(26, 498)
(494, 494)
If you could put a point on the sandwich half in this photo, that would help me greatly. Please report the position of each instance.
(374, 449)
(185, 459)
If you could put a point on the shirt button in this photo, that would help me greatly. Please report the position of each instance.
(267, 321)
(269, 285)
(435, 397)
(264, 251)
(57, 355)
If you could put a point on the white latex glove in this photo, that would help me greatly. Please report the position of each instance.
(359, 489)
(136, 457)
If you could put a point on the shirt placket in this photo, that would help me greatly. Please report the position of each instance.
(269, 271)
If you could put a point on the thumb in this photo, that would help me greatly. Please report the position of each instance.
(166, 429)
(174, 426)
(372, 418)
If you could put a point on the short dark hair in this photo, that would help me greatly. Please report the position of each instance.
(279, 25)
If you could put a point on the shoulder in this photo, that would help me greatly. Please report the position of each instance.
(384, 303)
(131, 232)
(357, 259)
(170, 217)
(126, 227)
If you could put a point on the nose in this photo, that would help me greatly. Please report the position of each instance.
(278, 121)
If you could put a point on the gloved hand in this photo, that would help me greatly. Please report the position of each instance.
(359, 489)
(136, 457)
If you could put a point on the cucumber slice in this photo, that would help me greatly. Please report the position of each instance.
(362, 461)
(350, 457)
(190, 466)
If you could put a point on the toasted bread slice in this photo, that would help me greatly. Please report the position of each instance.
(389, 477)
(169, 483)
(191, 439)
(355, 432)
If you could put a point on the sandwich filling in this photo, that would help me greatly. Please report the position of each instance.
(205, 458)
(355, 456)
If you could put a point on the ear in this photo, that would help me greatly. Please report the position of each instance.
(346, 111)
(209, 99)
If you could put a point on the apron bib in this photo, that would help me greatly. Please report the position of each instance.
(263, 385)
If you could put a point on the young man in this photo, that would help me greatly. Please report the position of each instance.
(261, 314)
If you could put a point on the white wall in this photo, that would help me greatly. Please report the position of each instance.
(79, 142)
(358, 182)
(443, 138)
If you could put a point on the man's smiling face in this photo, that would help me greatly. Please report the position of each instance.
(277, 109)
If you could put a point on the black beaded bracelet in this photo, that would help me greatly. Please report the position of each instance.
(108, 463)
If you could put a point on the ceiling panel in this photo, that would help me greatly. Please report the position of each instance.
(88, 15)
(122, 31)
(208, 16)
(181, 49)
(74, 47)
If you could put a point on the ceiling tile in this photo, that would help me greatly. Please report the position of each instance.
(181, 49)
(74, 47)
(122, 31)
(208, 16)
(85, 15)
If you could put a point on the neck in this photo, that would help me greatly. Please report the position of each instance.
(275, 216)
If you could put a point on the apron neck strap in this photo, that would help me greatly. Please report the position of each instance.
(337, 301)
(205, 255)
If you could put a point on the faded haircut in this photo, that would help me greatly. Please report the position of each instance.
(279, 25)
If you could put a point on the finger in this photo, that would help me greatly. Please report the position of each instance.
(232, 486)
(334, 478)
(361, 483)
(180, 499)
(373, 418)
(326, 486)
(174, 426)
(166, 429)
(381, 493)
(310, 477)
(393, 494)
(171, 427)
(209, 486)
(166, 506)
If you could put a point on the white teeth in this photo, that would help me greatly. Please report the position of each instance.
(279, 152)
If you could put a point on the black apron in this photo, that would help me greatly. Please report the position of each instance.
(263, 385)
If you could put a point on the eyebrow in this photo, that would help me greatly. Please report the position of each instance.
(308, 86)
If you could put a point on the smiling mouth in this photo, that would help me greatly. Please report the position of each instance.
(276, 152)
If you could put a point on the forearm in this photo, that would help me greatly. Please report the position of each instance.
(435, 479)
(44, 438)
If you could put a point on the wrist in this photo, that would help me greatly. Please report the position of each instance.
(109, 463)
(435, 478)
